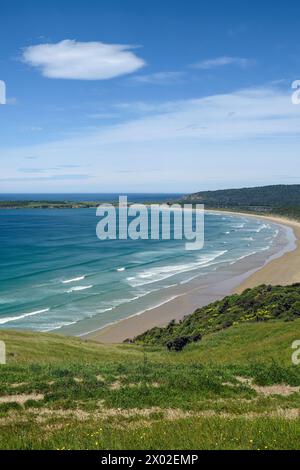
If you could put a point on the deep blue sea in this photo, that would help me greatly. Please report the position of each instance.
(56, 273)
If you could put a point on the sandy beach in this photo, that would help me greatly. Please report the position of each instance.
(281, 270)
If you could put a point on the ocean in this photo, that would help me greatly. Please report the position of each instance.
(57, 276)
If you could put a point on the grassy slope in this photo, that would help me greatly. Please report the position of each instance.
(122, 397)
(239, 344)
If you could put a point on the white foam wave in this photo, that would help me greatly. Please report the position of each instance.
(78, 288)
(137, 314)
(76, 279)
(124, 301)
(117, 303)
(162, 303)
(103, 310)
(58, 327)
(24, 315)
(120, 270)
(164, 272)
(186, 281)
(262, 227)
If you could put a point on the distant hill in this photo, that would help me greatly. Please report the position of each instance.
(266, 197)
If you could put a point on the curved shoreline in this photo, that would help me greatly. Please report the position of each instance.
(282, 267)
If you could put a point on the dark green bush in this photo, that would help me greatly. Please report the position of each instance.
(263, 303)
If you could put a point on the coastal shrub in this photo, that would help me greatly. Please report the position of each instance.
(179, 343)
(260, 304)
(296, 308)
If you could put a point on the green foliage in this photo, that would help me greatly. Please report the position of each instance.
(279, 200)
(292, 212)
(264, 196)
(260, 304)
(181, 342)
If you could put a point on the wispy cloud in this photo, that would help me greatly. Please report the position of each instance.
(47, 169)
(70, 59)
(160, 78)
(136, 171)
(32, 170)
(222, 62)
(244, 114)
(32, 129)
(45, 178)
(233, 133)
(12, 101)
(102, 116)
(237, 30)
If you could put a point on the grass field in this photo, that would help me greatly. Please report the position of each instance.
(237, 389)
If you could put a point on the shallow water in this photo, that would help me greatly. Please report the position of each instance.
(56, 273)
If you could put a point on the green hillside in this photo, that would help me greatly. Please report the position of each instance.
(273, 196)
(261, 304)
(62, 393)
(284, 198)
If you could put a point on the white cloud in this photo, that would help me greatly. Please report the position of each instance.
(222, 62)
(70, 59)
(160, 78)
(33, 129)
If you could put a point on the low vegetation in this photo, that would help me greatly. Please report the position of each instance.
(63, 393)
(261, 304)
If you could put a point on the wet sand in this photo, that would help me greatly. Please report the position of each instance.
(283, 269)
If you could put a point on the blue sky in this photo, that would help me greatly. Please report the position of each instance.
(148, 96)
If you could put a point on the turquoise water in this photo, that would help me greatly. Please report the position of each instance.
(56, 273)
